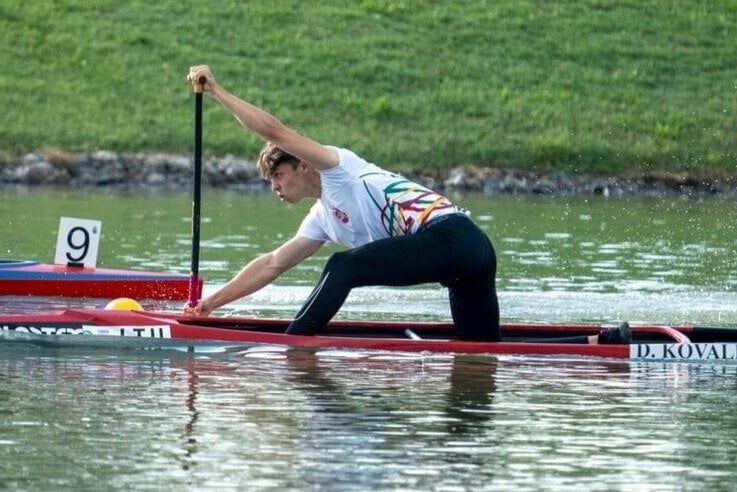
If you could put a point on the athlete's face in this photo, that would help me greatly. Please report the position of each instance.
(290, 183)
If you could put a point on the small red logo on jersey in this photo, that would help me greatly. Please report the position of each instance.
(340, 215)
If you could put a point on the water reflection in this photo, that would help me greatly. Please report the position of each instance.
(291, 419)
(472, 386)
(190, 440)
(467, 405)
(410, 417)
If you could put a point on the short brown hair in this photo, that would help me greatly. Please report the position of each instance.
(271, 157)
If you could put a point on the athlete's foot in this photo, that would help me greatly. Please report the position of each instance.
(619, 335)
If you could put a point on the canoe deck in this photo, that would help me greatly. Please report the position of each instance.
(40, 279)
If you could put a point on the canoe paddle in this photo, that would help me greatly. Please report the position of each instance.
(194, 281)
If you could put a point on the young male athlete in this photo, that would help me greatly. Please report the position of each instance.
(399, 232)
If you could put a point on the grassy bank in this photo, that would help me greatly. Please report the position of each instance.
(594, 85)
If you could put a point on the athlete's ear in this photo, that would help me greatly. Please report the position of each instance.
(303, 167)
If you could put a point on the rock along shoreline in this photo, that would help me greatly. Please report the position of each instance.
(105, 168)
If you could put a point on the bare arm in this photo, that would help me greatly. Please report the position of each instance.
(266, 125)
(258, 274)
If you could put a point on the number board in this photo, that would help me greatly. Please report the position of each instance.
(77, 242)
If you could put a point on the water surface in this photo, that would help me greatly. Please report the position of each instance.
(274, 419)
(664, 260)
(297, 420)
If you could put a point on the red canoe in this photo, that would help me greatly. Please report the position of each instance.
(38, 279)
(95, 327)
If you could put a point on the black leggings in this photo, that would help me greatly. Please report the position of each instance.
(452, 251)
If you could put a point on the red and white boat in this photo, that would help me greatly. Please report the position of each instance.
(118, 329)
(23, 277)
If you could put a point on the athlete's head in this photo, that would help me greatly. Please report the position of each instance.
(291, 179)
(272, 157)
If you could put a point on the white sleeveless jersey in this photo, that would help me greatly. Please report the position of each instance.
(361, 203)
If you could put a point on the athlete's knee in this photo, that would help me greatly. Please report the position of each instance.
(340, 269)
(337, 260)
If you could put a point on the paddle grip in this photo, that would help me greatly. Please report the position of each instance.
(200, 85)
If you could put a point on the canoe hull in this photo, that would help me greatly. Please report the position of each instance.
(38, 279)
(94, 327)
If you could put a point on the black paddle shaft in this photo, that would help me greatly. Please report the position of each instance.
(194, 293)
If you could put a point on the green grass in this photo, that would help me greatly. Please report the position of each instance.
(592, 85)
